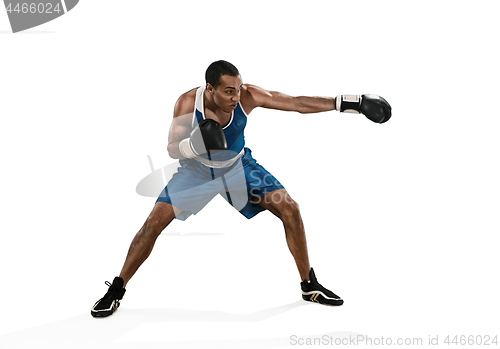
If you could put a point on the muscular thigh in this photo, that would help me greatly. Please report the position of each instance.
(276, 201)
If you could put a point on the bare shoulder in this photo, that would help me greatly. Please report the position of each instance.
(185, 103)
(253, 91)
(252, 96)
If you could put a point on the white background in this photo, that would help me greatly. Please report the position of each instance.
(401, 218)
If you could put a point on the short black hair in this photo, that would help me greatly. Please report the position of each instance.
(217, 69)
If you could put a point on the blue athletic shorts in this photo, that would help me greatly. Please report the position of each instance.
(194, 185)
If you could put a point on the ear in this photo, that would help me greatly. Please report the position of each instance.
(210, 88)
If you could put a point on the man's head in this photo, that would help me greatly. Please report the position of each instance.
(218, 69)
(224, 85)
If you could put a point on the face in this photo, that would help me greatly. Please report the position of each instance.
(227, 94)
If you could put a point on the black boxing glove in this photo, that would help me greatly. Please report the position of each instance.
(373, 107)
(206, 138)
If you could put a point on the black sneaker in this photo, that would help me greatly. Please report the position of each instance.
(312, 291)
(108, 304)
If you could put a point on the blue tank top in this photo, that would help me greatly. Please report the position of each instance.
(233, 131)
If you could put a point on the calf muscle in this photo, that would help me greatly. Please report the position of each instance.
(144, 240)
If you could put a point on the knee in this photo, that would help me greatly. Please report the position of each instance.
(152, 227)
(290, 209)
(158, 219)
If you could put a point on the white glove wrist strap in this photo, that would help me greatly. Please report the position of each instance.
(186, 150)
(348, 103)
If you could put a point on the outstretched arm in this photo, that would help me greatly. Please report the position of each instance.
(374, 107)
(255, 96)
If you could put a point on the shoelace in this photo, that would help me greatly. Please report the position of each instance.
(325, 290)
(316, 284)
(112, 291)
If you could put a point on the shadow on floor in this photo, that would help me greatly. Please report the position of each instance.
(83, 331)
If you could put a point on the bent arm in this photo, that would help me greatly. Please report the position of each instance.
(181, 126)
(179, 130)
(258, 97)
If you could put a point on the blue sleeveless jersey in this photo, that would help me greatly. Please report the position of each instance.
(234, 130)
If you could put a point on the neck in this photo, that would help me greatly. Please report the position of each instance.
(210, 104)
